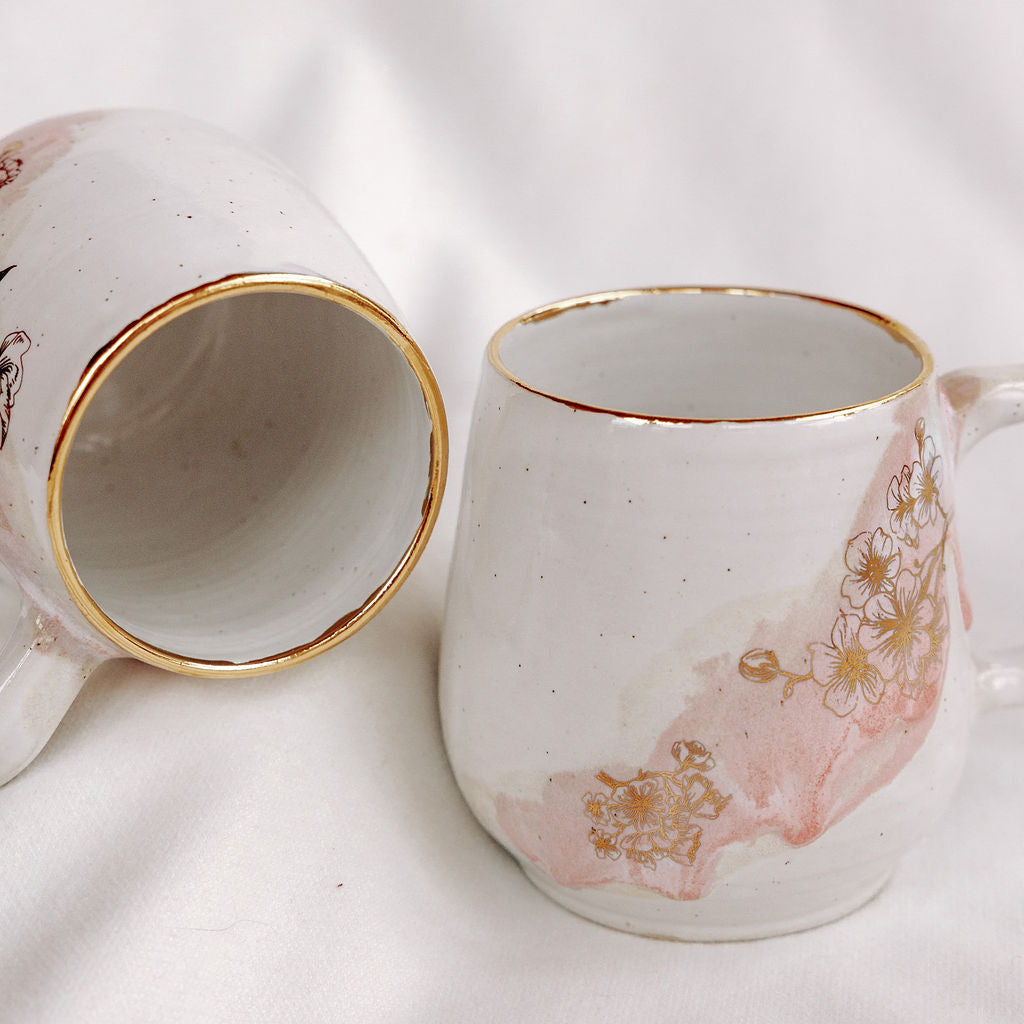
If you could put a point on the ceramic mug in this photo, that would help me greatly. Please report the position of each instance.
(221, 451)
(704, 667)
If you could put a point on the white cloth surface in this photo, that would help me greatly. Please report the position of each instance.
(292, 847)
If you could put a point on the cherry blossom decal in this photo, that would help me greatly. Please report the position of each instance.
(656, 815)
(892, 626)
(12, 351)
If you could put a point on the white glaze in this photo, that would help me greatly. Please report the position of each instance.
(255, 470)
(614, 576)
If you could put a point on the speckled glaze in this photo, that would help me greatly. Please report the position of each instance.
(704, 668)
(221, 452)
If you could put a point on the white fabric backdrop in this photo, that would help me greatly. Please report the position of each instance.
(292, 848)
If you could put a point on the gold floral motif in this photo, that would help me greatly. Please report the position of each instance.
(654, 815)
(893, 620)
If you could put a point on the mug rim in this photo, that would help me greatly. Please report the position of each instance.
(125, 341)
(896, 330)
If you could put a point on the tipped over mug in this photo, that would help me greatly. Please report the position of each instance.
(705, 669)
(220, 450)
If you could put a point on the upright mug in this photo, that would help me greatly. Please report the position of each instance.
(704, 669)
(220, 450)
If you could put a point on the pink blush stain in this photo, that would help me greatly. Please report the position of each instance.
(791, 766)
(27, 155)
(966, 608)
(793, 771)
(808, 768)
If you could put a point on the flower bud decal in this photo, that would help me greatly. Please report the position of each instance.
(759, 666)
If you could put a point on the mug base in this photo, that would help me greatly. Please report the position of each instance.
(642, 913)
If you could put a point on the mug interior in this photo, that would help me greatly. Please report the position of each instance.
(249, 477)
(710, 354)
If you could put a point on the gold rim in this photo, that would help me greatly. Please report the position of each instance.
(893, 328)
(103, 364)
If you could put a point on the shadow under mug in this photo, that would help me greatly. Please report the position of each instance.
(704, 668)
(221, 452)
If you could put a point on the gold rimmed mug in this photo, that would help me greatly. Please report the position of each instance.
(220, 450)
(704, 668)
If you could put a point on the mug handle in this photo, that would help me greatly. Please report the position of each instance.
(982, 400)
(42, 668)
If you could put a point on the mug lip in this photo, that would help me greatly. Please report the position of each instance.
(126, 340)
(896, 330)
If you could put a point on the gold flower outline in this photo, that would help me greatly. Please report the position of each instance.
(655, 815)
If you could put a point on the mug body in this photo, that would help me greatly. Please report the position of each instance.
(222, 451)
(703, 669)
